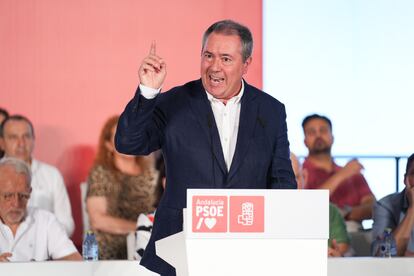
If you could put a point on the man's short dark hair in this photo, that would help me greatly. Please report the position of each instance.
(16, 117)
(409, 162)
(316, 116)
(230, 27)
(4, 112)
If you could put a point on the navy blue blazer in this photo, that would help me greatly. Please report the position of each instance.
(181, 123)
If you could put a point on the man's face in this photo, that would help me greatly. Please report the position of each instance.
(14, 194)
(222, 66)
(18, 140)
(409, 177)
(318, 136)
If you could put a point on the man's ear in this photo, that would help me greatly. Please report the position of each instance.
(246, 65)
(2, 143)
(304, 141)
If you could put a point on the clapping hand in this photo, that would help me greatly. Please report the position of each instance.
(153, 69)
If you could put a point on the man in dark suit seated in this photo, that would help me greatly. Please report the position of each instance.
(215, 132)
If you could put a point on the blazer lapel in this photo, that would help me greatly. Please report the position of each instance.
(202, 111)
(247, 122)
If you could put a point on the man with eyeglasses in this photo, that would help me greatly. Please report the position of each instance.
(28, 234)
(396, 211)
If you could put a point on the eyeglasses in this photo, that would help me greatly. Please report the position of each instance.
(10, 196)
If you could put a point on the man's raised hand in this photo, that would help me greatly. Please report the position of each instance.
(153, 69)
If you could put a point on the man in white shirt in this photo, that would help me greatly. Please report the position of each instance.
(49, 190)
(28, 234)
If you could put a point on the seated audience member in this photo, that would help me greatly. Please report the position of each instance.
(28, 234)
(3, 115)
(347, 187)
(120, 187)
(49, 192)
(396, 211)
(145, 221)
(338, 243)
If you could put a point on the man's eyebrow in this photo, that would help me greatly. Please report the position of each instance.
(223, 54)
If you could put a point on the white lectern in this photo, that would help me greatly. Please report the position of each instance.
(251, 232)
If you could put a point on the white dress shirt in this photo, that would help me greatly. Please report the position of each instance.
(227, 117)
(49, 193)
(39, 237)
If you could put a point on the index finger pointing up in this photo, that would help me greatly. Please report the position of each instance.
(153, 47)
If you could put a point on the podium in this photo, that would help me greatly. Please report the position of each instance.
(251, 232)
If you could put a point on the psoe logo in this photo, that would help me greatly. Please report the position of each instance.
(209, 214)
(247, 214)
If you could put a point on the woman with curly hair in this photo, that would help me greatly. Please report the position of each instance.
(120, 187)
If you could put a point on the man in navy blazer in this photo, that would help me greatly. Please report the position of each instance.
(215, 132)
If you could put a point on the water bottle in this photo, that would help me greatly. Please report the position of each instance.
(385, 246)
(90, 249)
(388, 247)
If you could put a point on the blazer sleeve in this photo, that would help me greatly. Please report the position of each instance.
(282, 176)
(140, 126)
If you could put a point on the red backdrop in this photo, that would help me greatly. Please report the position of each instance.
(69, 65)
